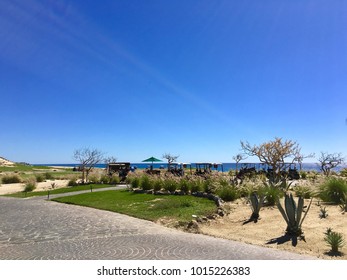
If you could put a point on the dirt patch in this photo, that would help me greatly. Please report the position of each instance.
(42, 186)
(270, 229)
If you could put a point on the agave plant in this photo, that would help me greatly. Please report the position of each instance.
(323, 213)
(256, 202)
(334, 239)
(292, 214)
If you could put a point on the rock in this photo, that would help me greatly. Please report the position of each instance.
(193, 226)
(220, 212)
(138, 191)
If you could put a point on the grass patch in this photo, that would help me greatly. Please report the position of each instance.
(144, 206)
(22, 168)
(59, 191)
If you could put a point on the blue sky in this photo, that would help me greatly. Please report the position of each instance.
(192, 78)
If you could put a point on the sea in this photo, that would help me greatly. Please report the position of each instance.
(225, 167)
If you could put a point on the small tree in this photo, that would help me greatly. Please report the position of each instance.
(238, 158)
(329, 161)
(108, 160)
(170, 159)
(273, 153)
(299, 157)
(87, 159)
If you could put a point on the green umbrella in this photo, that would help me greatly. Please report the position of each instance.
(151, 159)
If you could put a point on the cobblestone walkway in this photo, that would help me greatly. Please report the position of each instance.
(40, 229)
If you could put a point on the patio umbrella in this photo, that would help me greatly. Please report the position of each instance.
(151, 159)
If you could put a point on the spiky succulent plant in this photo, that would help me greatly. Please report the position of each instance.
(292, 214)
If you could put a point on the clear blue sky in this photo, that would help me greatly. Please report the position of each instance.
(138, 78)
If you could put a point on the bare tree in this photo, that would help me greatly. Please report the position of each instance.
(87, 159)
(329, 161)
(273, 153)
(238, 158)
(299, 157)
(108, 160)
(170, 158)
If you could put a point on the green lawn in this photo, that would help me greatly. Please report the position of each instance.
(144, 206)
(22, 168)
(60, 190)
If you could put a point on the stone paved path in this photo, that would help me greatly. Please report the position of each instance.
(35, 228)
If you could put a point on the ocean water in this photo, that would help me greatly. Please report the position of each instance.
(221, 167)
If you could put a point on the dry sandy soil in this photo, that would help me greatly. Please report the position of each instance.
(269, 230)
(43, 186)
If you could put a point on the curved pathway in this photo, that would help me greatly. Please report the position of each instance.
(35, 228)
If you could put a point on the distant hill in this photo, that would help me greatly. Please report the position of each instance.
(5, 162)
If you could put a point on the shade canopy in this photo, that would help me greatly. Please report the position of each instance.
(151, 159)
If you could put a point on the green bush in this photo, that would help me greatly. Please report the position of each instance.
(30, 185)
(135, 182)
(271, 194)
(10, 179)
(184, 186)
(94, 179)
(228, 193)
(343, 172)
(208, 186)
(114, 180)
(49, 176)
(333, 190)
(196, 185)
(39, 178)
(170, 185)
(303, 191)
(145, 183)
(104, 179)
(72, 183)
(157, 185)
(303, 175)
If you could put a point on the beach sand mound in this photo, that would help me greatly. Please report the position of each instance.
(5, 162)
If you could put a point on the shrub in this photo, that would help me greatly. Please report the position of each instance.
(208, 186)
(93, 178)
(39, 178)
(333, 190)
(10, 179)
(303, 191)
(184, 186)
(196, 185)
(170, 185)
(303, 175)
(334, 239)
(157, 184)
(145, 183)
(49, 176)
(343, 172)
(271, 194)
(30, 185)
(104, 179)
(247, 188)
(114, 180)
(228, 193)
(135, 182)
(72, 183)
